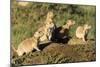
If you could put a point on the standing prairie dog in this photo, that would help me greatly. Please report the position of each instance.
(82, 31)
(67, 26)
(27, 45)
(49, 24)
(47, 28)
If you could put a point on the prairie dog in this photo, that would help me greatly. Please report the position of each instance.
(49, 24)
(47, 28)
(61, 34)
(27, 45)
(82, 31)
(67, 26)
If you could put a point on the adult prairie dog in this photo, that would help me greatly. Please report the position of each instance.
(47, 32)
(82, 31)
(49, 24)
(27, 45)
(47, 28)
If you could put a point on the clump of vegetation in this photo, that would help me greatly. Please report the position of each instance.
(26, 20)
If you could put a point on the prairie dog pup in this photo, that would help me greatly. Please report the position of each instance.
(61, 34)
(67, 26)
(82, 31)
(27, 45)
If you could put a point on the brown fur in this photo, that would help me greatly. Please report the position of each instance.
(47, 28)
(27, 45)
(67, 26)
(82, 31)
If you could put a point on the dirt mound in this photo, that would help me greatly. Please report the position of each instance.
(58, 53)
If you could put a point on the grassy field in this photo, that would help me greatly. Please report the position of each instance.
(27, 19)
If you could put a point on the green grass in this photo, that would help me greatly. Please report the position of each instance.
(26, 20)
